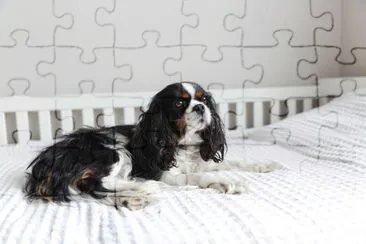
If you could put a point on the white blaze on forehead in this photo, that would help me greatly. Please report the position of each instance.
(194, 121)
(190, 89)
(191, 105)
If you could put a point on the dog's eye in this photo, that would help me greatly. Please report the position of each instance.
(179, 103)
(204, 99)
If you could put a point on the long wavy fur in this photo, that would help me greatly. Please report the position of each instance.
(153, 144)
(214, 144)
(80, 159)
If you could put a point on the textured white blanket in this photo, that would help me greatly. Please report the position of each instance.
(335, 131)
(309, 201)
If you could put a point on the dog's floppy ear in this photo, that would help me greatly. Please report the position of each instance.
(154, 142)
(214, 141)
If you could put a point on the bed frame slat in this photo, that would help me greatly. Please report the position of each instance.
(127, 103)
(258, 110)
(22, 123)
(67, 123)
(45, 125)
(291, 106)
(3, 134)
(224, 114)
(88, 117)
(129, 115)
(308, 104)
(322, 101)
(241, 115)
(275, 111)
(109, 118)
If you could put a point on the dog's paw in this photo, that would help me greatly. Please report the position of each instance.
(149, 187)
(131, 199)
(133, 203)
(260, 167)
(266, 167)
(229, 188)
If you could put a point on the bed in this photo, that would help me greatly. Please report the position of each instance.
(319, 196)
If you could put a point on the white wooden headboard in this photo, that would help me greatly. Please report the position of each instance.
(42, 118)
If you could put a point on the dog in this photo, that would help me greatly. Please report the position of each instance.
(177, 141)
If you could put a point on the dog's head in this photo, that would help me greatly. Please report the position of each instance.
(176, 114)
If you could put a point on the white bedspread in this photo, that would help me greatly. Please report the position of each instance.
(309, 201)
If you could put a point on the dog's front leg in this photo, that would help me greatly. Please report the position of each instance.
(238, 165)
(204, 180)
(130, 194)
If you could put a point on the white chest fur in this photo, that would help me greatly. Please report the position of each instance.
(188, 158)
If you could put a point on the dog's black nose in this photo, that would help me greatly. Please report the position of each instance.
(199, 108)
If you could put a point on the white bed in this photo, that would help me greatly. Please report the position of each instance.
(311, 200)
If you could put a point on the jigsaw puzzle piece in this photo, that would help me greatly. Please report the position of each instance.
(326, 65)
(78, 110)
(28, 128)
(344, 18)
(237, 119)
(346, 85)
(21, 122)
(162, 16)
(127, 106)
(357, 68)
(226, 113)
(85, 33)
(18, 87)
(301, 128)
(328, 36)
(323, 65)
(210, 31)
(17, 122)
(146, 62)
(118, 115)
(68, 70)
(293, 137)
(106, 109)
(86, 116)
(19, 61)
(283, 55)
(259, 23)
(64, 121)
(233, 70)
(341, 137)
(330, 123)
(290, 106)
(353, 32)
(34, 17)
(257, 115)
(20, 136)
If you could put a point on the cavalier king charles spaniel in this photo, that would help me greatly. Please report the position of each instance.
(178, 141)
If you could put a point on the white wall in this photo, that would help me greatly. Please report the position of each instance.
(354, 36)
(144, 45)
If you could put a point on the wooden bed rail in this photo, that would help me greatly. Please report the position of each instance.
(41, 118)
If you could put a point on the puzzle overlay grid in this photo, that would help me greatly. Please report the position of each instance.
(55, 45)
(75, 47)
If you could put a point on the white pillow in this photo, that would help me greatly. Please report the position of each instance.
(334, 131)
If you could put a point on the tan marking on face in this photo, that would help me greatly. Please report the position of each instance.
(181, 123)
(184, 95)
(199, 94)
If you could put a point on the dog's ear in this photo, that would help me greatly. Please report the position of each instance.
(154, 141)
(214, 142)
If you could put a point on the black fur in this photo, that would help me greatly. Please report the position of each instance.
(84, 157)
(63, 163)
